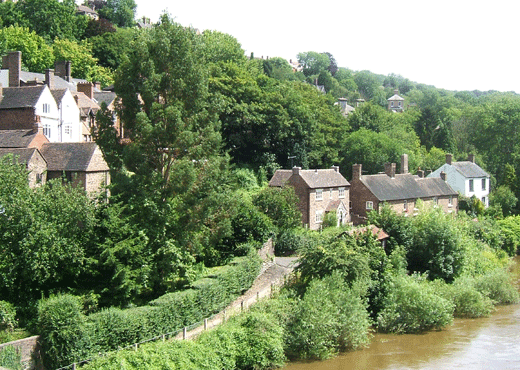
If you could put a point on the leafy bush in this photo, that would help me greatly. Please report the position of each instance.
(62, 328)
(288, 242)
(331, 317)
(411, 306)
(7, 316)
(281, 205)
(510, 229)
(10, 358)
(469, 302)
(497, 286)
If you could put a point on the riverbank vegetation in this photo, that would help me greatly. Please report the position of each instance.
(206, 127)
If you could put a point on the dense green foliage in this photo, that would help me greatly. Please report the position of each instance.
(10, 358)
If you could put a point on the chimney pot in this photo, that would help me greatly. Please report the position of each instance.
(443, 175)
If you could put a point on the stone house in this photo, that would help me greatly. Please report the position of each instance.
(466, 177)
(396, 102)
(33, 161)
(399, 190)
(81, 164)
(319, 191)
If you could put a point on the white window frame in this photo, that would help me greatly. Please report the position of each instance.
(318, 218)
(319, 194)
(46, 108)
(471, 186)
(369, 205)
(47, 130)
(484, 184)
(341, 193)
(67, 130)
(450, 201)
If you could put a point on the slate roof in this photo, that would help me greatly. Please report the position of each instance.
(85, 104)
(73, 157)
(22, 154)
(58, 94)
(395, 97)
(106, 97)
(21, 97)
(334, 205)
(469, 169)
(280, 178)
(57, 82)
(16, 138)
(406, 186)
(328, 178)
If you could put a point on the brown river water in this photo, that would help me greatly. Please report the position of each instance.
(488, 343)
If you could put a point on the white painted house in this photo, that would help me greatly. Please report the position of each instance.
(466, 177)
(69, 125)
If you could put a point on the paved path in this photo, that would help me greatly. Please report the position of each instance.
(272, 275)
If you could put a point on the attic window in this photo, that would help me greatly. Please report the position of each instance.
(319, 194)
(46, 108)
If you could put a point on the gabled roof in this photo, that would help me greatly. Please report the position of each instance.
(469, 169)
(74, 157)
(23, 155)
(396, 97)
(328, 178)
(334, 205)
(106, 97)
(58, 94)
(280, 178)
(16, 138)
(85, 104)
(21, 97)
(379, 234)
(406, 186)
(57, 81)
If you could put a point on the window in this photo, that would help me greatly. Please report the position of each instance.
(319, 194)
(471, 185)
(68, 131)
(484, 200)
(319, 216)
(405, 205)
(483, 184)
(392, 104)
(450, 201)
(435, 200)
(350, 205)
(47, 130)
(399, 103)
(342, 192)
(46, 108)
(370, 205)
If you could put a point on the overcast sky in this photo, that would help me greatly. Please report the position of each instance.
(451, 44)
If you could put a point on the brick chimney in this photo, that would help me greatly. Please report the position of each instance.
(390, 169)
(471, 158)
(404, 163)
(13, 62)
(296, 170)
(86, 88)
(443, 175)
(448, 158)
(63, 69)
(49, 78)
(356, 171)
(335, 168)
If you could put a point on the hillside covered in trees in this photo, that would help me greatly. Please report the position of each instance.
(206, 127)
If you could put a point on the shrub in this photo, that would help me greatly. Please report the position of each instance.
(330, 318)
(7, 316)
(289, 242)
(510, 229)
(497, 286)
(10, 358)
(62, 328)
(411, 306)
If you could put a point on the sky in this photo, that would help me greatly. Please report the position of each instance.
(454, 45)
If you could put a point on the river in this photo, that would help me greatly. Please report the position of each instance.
(488, 343)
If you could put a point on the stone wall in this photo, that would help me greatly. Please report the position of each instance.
(30, 350)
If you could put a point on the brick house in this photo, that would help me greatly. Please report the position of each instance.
(466, 177)
(319, 191)
(81, 164)
(400, 190)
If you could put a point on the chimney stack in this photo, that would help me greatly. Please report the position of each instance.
(356, 171)
(471, 158)
(335, 168)
(396, 92)
(404, 163)
(13, 62)
(443, 176)
(49, 78)
(63, 69)
(448, 158)
(296, 170)
(86, 88)
(390, 169)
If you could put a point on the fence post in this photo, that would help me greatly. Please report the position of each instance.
(205, 324)
(242, 305)
(136, 346)
(184, 333)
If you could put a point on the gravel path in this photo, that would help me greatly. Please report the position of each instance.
(271, 275)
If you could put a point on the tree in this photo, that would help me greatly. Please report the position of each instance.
(53, 19)
(119, 12)
(36, 54)
(110, 48)
(281, 205)
(313, 63)
(221, 47)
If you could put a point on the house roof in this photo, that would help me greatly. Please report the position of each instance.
(106, 97)
(57, 81)
(280, 178)
(396, 97)
(73, 157)
(406, 186)
(85, 104)
(23, 155)
(86, 10)
(58, 94)
(469, 169)
(327, 178)
(21, 97)
(334, 205)
(16, 138)
(380, 234)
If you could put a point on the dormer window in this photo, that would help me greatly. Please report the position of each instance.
(319, 194)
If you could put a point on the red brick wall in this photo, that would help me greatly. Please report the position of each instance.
(302, 191)
(359, 195)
